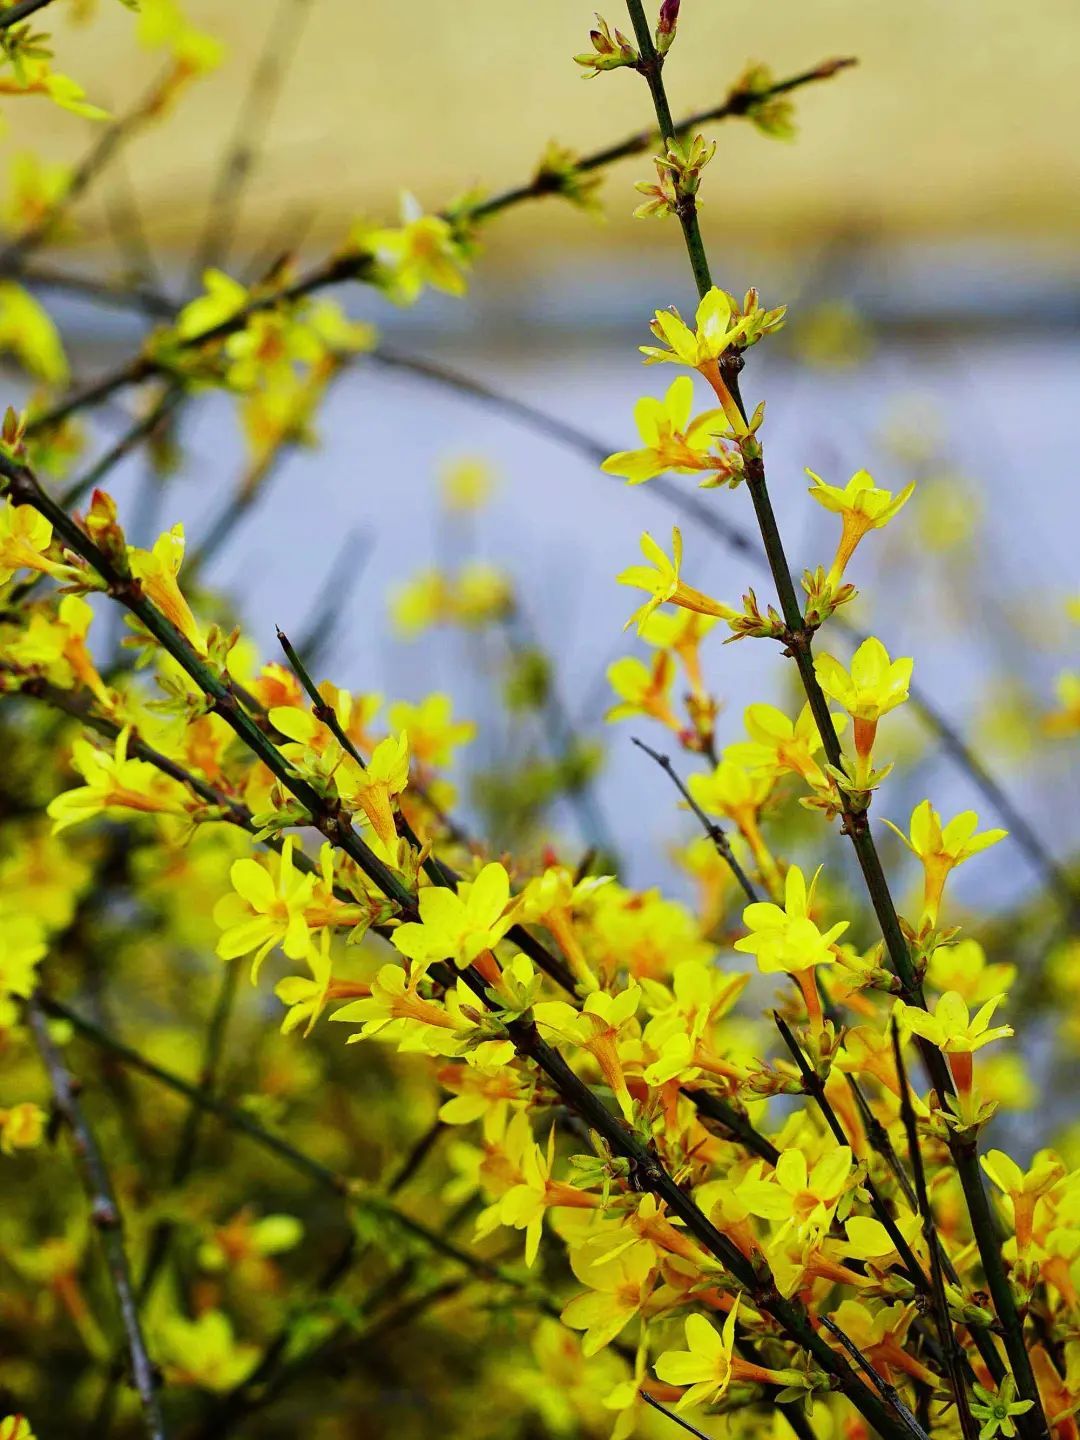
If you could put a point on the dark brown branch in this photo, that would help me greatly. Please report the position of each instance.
(104, 1213)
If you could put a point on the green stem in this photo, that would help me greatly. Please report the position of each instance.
(651, 65)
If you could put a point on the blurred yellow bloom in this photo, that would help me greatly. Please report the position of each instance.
(36, 189)
(643, 689)
(21, 1128)
(204, 1352)
(1065, 720)
(162, 23)
(16, 1427)
(423, 250)
(482, 593)
(467, 484)
(433, 733)
(28, 333)
(861, 507)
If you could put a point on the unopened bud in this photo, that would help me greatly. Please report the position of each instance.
(665, 27)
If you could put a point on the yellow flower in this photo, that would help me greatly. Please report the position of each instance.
(778, 745)
(643, 689)
(372, 788)
(157, 570)
(964, 967)
(720, 324)
(1024, 1188)
(663, 583)
(861, 507)
(16, 1427)
(466, 484)
(27, 332)
(525, 1203)
(873, 686)
(24, 538)
(950, 1027)
(204, 1352)
(459, 925)
(394, 1010)
(420, 603)
(618, 1288)
(115, 782)
(305, 998)
(802, 1197)
(942, 849)
(954, 1031)
(265, 910)
(735, 792)
(433, 734)
(681, 632)
(672, 441)
(596, 1028)
(22, 946)
(1065, 720)
(481, 595)
(705, 1366)
(550, 899)
(423, 251)
(785, 939)
(21, 1128)
(162, 22)
(55, 645)
(881, 1337)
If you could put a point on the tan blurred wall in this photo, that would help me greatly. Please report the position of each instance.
(962, 117)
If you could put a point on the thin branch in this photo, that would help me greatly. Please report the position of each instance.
(715, 832)
(104, 1213)
(888, 1391)
(20, 11)
(241, 155)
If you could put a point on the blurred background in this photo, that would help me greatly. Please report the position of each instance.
(922, 227)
